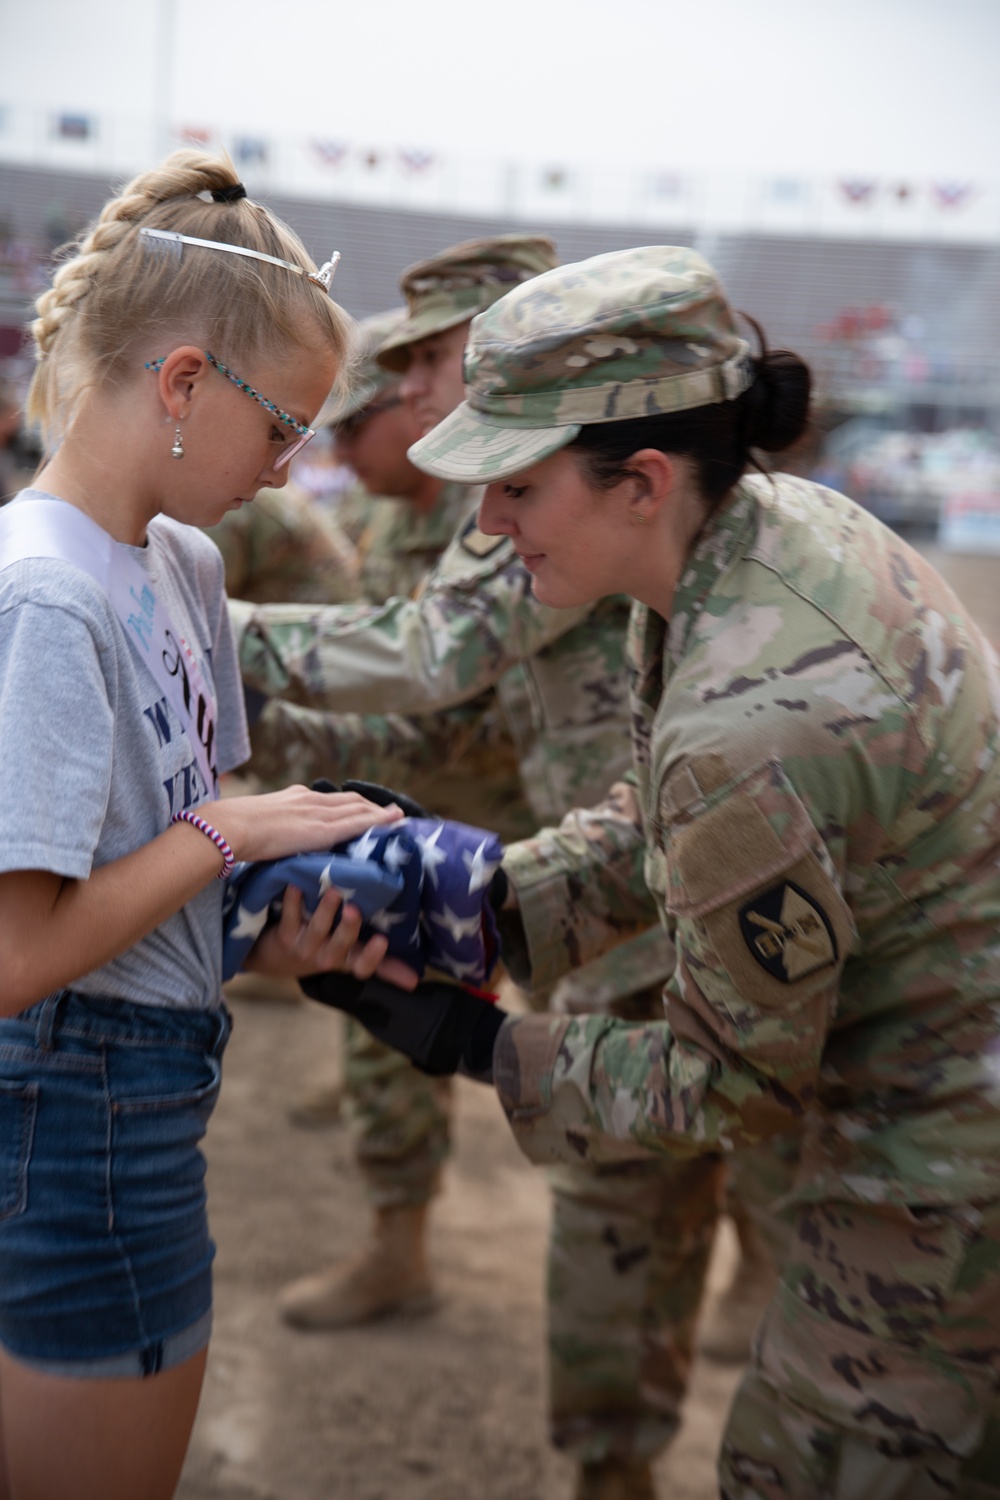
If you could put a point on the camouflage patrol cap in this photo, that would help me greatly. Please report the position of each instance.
(370, 379)
(630, 334)
(453, 286)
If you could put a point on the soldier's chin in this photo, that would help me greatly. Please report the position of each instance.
(551, 595)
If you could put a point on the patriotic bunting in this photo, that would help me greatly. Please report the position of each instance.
(946, 208)
(952, 194)
(855, 190)
(417, 161)
(331, 153)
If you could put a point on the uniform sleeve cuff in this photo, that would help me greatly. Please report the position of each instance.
(535, 951)
(524, 1058)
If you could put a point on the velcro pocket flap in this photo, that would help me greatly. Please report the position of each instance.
(745, 865)
(737, 840)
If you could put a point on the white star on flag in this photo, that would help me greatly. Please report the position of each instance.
(462, 971)
(249, 924)
(431, 854)
(458, 927)
(326, 884)
(384, 921)
(480, 869)
(365, 845)
(394, 855)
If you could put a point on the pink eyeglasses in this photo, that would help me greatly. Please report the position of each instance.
(305, 433)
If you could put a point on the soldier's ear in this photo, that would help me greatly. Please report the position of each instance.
(653, 479)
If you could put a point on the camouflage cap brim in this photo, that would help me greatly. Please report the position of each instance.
(469, 448)
(394, 355)
(362, 394)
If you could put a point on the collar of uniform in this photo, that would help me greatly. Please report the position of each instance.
(644, 652)
(724, 539)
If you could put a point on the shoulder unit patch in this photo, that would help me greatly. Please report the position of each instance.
(788, 933)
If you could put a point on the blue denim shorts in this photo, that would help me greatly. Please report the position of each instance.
(105, 1255)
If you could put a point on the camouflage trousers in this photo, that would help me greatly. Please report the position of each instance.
(401, 1118)
(628, 1258)
(877, 1367)
(628, 1254)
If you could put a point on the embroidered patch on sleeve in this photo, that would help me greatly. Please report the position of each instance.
(788, 933)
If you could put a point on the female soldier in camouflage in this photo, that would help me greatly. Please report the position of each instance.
(815, 814)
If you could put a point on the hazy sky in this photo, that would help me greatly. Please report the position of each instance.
(808, 86)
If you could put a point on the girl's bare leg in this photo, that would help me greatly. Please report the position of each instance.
(95, 1439)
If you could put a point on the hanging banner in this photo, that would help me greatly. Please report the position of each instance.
(949, 195)
(417, 161)
(70, 127)
(249, 151)
(330, 153)
(858, 190)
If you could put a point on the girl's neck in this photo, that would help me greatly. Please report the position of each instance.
(100, 491)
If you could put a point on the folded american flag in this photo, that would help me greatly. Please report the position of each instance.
(421, 882)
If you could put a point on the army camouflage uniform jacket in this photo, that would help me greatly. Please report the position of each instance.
(285, 546)
(816, 803)
(474, 620)
(399, 547)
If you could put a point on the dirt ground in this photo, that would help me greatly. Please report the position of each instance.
(447, 1407)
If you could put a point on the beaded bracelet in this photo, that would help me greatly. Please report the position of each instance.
(220, 843)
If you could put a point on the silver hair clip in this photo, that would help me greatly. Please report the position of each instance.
(169, 242)
(326, 272)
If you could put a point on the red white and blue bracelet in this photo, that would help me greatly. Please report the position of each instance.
(229, 858)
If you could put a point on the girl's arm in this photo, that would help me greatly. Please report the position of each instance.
(53, 930)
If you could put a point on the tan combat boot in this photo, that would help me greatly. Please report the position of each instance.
(615, 1479)
(728, 1327)
(390, 1275)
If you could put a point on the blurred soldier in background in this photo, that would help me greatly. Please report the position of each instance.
(282, 545)
(622, 1308)
(401, 520)
(462, 761)
(463, 764)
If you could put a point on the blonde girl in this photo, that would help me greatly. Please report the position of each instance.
(184, 349)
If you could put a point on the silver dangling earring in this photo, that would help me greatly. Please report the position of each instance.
(177, 451)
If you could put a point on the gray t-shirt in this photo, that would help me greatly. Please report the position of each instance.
(94, 761)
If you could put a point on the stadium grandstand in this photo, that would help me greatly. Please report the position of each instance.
(882, 322)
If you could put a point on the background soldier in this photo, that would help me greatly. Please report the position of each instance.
(462, 763)
(282, 545)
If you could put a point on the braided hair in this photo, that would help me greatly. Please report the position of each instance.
(118, 295)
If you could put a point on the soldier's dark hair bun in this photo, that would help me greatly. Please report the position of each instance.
(777, 403)
(721, 437)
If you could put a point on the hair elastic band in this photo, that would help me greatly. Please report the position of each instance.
(223, 846)
(168, 241)
(229, 194)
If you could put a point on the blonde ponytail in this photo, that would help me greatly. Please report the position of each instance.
(113, 299)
